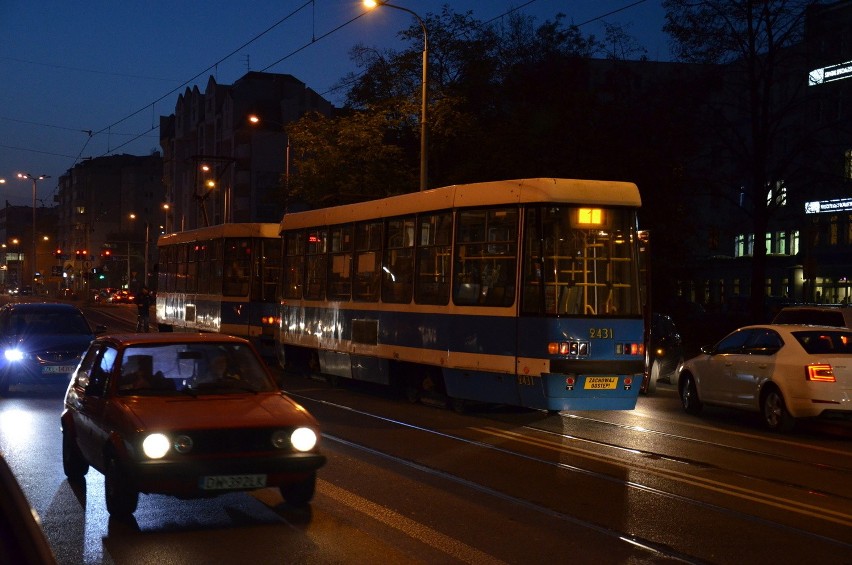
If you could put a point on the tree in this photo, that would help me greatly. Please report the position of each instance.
(755, 46)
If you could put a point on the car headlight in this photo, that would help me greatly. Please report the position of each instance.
(303, 439)
(13, 354)
(156, 446)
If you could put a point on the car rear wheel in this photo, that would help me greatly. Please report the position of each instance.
(689, 395)
(300, 494)
(775, 413)
(73, 463)
(121, 498)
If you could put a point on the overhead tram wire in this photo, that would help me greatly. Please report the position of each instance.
(314, 40)
(189, 81)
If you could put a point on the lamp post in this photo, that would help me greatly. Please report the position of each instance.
(35, 180)
(424, 147)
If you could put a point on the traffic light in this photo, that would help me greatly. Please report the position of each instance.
(58, 253)
(107, 253)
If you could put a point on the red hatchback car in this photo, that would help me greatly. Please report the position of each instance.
(188, 415)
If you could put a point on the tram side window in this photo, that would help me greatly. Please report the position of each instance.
(217, 265)
(340, 262)
(192, 267)
(238, 256)
(532, 299)
(398, 262)
(167, 263)
(486, 256)
(269, 260)
(181, 268)
(368, 264)
(294, 261)
(435, 233)
(315, 264)
(202, 259)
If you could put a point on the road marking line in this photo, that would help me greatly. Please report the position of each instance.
(451, 546)
(841, 518)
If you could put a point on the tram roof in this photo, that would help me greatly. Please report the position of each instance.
(518, 191)
(222, 230)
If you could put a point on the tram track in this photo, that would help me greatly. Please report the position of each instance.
(495, 440)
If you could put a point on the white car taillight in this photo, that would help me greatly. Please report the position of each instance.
(820, 372)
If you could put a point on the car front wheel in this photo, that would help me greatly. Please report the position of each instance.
(121, 498)
(73, 463)
(775, 413)
(300, 494)
(689, 395)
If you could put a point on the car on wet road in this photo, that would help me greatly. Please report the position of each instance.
(188, 415)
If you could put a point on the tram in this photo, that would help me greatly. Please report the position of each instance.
(518, 292)
(223, 279)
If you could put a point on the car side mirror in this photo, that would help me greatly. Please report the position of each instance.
(707, 350)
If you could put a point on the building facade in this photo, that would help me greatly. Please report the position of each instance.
(219, 167)
(109, 212)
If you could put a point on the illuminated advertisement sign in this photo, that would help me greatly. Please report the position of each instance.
(830, 74)
(823, 206)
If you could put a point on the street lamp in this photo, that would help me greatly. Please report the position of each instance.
(35, 180)
(424, 150)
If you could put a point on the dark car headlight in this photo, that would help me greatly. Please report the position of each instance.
(13, 354)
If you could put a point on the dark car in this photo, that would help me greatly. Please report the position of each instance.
(122, 297)
(42, 342)
(187, 415)
(664, 352)
(22, 541)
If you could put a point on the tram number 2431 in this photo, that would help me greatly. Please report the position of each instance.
(601, 333)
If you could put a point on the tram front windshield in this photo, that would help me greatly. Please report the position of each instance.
(580, 261)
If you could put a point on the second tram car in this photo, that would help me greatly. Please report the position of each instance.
(221, 278)
(520, 292)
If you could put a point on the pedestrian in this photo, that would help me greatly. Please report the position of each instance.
(144, 300)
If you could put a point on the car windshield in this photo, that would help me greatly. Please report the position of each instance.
(194, 368)
(822, 342)
(49, 322)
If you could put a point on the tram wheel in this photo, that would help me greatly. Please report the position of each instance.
(459, 405)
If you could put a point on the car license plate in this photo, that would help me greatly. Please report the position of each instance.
(226, 482)
(600, 383)
(51, 369)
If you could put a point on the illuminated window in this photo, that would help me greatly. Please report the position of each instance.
(777, 194)
(780, 243)
(739, 245)
(794, 242)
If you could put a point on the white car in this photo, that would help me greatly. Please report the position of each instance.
(785, 372)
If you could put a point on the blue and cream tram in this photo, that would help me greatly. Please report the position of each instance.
(520, 292)
(221, 279)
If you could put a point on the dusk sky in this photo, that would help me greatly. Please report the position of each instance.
(113, 68)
